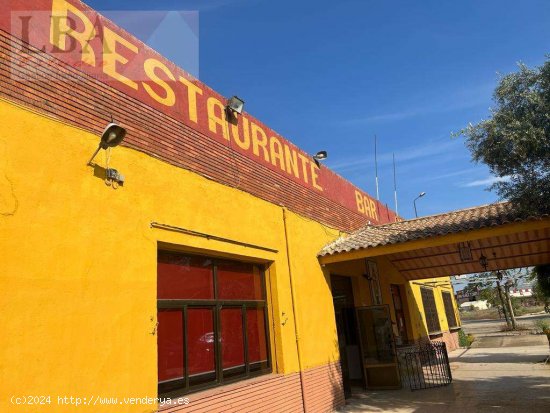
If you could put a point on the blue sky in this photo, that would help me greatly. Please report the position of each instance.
(332, 74)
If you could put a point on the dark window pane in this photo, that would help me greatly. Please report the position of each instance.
(170, 345)
(232, 337)
(184, 277)
(239, 281)
(430, 310)
(375, 329)
(449, 309)
(255, 325)
(200, 341)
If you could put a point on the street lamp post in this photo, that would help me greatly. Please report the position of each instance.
(420, 195)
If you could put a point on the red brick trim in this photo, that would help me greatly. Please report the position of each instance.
(34, 79)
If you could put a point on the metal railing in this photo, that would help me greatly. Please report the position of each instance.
(424, 366)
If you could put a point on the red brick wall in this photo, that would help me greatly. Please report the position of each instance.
(274, 393)
(450, 338)
(323, 388)
(43, 83)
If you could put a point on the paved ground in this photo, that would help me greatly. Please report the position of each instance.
(488, 334)
(490, 327)
(506, 377)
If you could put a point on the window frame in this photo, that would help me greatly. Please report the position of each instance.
(449, 310)
(430, 311)
(182, 386)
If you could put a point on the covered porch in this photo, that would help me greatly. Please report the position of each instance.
(406, 266)
(451, 243)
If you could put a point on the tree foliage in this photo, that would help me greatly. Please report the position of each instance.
(515, 141)
(541, 275)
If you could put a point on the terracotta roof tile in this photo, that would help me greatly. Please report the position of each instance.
(420, 228)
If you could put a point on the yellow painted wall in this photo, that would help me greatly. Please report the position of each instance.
(314, 308)
(416, 307)
(412, 301)
(78, 264)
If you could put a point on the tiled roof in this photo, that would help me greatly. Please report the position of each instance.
(448, 223)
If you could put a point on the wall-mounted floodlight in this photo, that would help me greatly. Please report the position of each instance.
(465, 252)
(235, 105)
(484, 262)
(112, 136)
(320, 156)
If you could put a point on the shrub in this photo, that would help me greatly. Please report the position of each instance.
(542, 325)
(465, 340)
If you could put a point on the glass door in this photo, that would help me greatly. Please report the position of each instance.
(378, 347)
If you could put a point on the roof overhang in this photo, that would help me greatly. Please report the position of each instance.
(512, 244)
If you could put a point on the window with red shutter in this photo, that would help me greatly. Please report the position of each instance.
(212, 317)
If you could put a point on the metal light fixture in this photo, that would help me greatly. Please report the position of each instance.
(367, 276)
(235, 105)
(465, 251)
(112, 136)
(320, 156)
(420, 195)
(483, 261)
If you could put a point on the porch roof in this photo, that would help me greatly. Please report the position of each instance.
(429, 246)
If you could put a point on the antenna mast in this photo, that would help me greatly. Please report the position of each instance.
(376, 169)
(394, 185)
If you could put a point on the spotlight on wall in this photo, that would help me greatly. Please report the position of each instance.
(368, 277)
(320, 156)
(235, 105)
(484, 262)
(112, 136)
(465, 252)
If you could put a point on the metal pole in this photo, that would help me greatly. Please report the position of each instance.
(294, 313)
(376, 168)
(415, 211)
(93, 156)
(394, 185)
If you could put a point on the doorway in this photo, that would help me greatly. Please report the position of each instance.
(401, 338)
(347, 332)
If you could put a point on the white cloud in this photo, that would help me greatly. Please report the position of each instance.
(435, 177)
(486, 182)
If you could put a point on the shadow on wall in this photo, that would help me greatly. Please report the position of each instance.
(503, 394)
(417, 316)
(336, 385)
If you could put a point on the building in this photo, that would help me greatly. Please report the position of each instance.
(200, 274)
(521, 292)
(475, 305)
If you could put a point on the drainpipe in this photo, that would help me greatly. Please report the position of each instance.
(294, 312)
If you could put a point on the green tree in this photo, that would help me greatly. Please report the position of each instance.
(472, 288)
(515, 141)
(541, 277)
(491, 295)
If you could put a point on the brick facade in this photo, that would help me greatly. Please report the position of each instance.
(41, 82)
